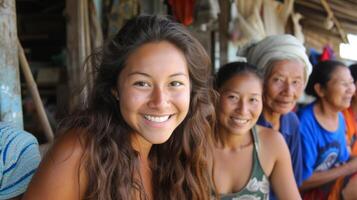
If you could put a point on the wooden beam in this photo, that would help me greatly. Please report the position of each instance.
(341, 31)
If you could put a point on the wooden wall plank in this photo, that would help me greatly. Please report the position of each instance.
(10, 90)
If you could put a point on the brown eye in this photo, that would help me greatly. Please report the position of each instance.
(253, 100)
(176, 83)
(233, 97)
(278, 80)
(296, 82)
(141, 84)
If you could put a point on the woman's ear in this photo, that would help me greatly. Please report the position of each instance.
(115, 93)
(319, 90)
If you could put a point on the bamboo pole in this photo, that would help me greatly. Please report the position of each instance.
(31, 84)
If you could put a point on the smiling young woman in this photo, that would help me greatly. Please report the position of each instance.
(155, 91)
(145, 132)
(248, 158)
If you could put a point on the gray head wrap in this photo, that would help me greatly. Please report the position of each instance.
(276, 47)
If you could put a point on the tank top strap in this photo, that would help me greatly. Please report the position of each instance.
(258, 184)
(255, 138)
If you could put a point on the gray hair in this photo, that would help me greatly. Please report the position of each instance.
(266, 52)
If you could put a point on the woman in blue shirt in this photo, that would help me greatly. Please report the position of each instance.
(322, 128)
(282, 61)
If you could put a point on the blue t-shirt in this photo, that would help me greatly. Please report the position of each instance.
(322, 149)
(289, 128)
(19, 158)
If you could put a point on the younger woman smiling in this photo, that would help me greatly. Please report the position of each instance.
(248, 158)
(145, 132)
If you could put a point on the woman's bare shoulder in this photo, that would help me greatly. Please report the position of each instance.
(273, 148)
(269, 136)
(69, 145)
(272, 143)
(61, 174)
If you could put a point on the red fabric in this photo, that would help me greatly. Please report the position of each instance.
(330, 191)
(183, 10)
(313, 195)
(327, 54)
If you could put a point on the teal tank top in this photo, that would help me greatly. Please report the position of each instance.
(258, 184)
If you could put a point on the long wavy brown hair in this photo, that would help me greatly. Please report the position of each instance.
(182, 166)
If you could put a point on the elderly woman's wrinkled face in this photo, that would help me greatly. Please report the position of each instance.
(284, 86)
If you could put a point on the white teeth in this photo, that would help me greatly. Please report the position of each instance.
(241, 121)
(157, 119)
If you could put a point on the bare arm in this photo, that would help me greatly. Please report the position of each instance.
(349, 192)
(60, 175)
(282, 177)
(320, 178)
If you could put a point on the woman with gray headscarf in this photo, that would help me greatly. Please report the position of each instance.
(282, 61)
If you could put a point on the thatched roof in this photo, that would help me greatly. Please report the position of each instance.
(315, 13)
(315, 21)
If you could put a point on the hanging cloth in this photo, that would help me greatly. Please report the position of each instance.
(121, 11)
(250, 23)
(327, 53)
(206, 11)
(275, 15)
(182, 10)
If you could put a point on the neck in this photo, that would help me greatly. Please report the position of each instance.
(354, 105)
(326, 110)
(273, 118)
(141, 145)
(234, 142)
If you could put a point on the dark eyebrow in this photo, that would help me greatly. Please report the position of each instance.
(138, 73)
(235, 92)
(178, 74)
(147, 75)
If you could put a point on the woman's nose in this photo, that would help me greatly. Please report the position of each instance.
(289, 88)
(241, 108)
(158, 98)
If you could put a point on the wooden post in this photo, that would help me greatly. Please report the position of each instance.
(223, 17)
(10, 89)
(79, 47)
(75, 49)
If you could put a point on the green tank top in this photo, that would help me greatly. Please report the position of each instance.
(258, 184)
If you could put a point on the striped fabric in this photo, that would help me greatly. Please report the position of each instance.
(19, 158)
